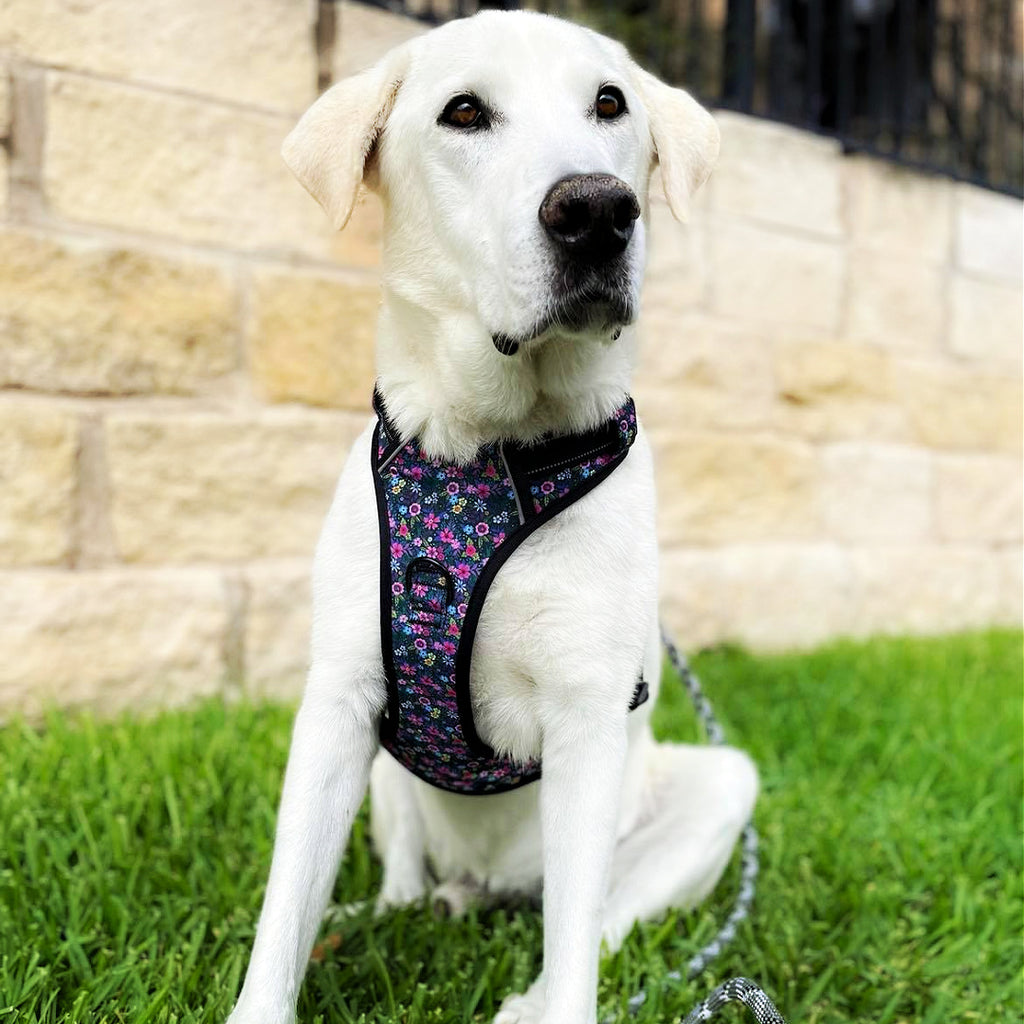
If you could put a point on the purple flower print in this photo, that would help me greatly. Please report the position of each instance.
(482, 529)
(414, 509)
(452, 488)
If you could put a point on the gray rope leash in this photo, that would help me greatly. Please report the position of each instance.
(736, 989)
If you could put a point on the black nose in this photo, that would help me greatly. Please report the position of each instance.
(590, 217)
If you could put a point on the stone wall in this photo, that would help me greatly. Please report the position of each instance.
(831, 367)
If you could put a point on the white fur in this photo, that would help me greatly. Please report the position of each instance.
(619, 828)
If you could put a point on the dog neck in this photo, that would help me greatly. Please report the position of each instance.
(444, 382)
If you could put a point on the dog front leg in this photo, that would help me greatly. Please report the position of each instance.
(584, 760)
(333, 744)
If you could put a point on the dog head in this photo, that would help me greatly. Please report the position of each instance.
(513, 153)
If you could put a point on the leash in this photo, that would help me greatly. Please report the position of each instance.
(735, 990)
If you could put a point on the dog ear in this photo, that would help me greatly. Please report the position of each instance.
(685, 136)
(328, 149)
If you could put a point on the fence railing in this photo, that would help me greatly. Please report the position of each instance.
(936, 84)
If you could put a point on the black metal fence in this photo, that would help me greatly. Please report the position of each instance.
(936, 84)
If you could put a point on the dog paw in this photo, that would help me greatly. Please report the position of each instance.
(245, 1013)
(527, 1008)
(453, 899)
(399, 892)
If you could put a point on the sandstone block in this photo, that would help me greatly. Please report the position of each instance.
(986, 320)
(836, 390)
(199, 486)
(5, 201)
(719, 488)
(5, 98)
(311, 339)
(898, 211)
(978, 498)
(37, 483)
(778, 175)
(767, 277)
(76, 316)
(696, 371)
(989, 233)
(676, 278)
(927, 588)
(895, 302)
(277, 630)
(1010, 568)
(953, 407)
(257, 52)
(766, 596)
(366, 33)
(876, 493)
(187, 169)
(110, 640)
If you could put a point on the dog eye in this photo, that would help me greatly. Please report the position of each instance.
(464, 111)
(610, 103)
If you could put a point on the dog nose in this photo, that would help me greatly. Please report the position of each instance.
(590, 217)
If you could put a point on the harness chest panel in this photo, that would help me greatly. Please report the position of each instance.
(445, 531)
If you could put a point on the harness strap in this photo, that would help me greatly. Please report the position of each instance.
(445, 532)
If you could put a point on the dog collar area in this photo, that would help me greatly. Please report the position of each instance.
(445, 531)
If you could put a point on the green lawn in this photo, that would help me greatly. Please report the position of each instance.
(133, 856)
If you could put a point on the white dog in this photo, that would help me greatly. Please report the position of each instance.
(512, 152)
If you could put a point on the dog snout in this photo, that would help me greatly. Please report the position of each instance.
(590, 217)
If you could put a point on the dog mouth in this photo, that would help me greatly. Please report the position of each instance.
(591, 306)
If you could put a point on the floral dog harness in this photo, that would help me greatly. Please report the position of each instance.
(445, 531)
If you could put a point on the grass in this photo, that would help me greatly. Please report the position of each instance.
(133, 856)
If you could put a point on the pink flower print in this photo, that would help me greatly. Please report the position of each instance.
(397, 588)
(470, 549)
(484, 491)
(431, 521)
(446, 537)
(435, 552)
(403, 530)
(416, 473)
(448, 647)
(490, 471)
(419, 590)
(414, 509)
(499, 539)
(420, 643)
(396, 550)
(462, 608)
(547, 487)
(453, 488)
(453, 629)
(482, 529)
(462, 570)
